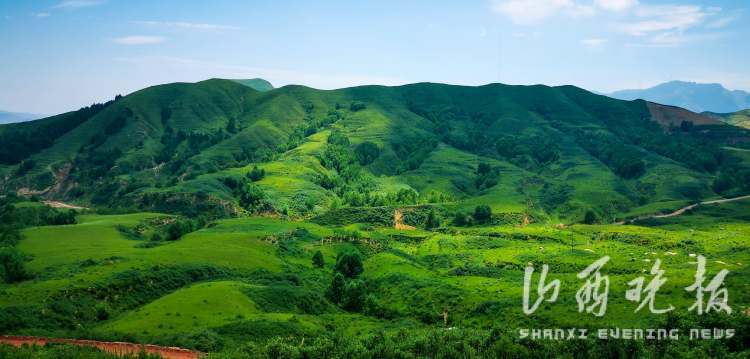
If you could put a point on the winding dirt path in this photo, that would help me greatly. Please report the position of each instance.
(682, 210)
(117, 348)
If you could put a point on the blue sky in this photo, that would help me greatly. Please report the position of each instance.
(59, 55)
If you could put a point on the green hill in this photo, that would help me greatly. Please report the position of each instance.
(556, 152)
(739, 118)
(366, 222)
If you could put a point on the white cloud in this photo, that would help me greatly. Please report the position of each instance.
(77, 3)
(40, 14)
(616, 5)
(595, 42)
(721, 22)
(665, 18)
(189, 25)
(139, 40)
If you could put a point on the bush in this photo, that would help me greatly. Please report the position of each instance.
(318, 259)
(256, 174)
(482, 214)
(12, 268)
(366, 152)
(349, 264)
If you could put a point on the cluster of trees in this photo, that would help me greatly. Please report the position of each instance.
(180, 227)
(250, 196)
(482, 214)
(346, 290)
(531, 152)
(486, 176)
(22, 140)
(624, 160)
(349, 181)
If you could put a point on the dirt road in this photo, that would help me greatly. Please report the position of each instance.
(117, 348)
(682, 210)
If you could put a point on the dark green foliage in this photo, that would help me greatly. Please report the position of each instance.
(554, 195)
(337, 289)
(487, 176)
(22, 140)
(460, 219)
(354, 295)
(318, 260)
(287, 298)
(590, 217)
(366, 152)
(256, 174)
(122, 291)
(12, 265)
(482, 214)
(25, 166)
(252, 198)
(357, 106)
(433, 221)
(349, 264)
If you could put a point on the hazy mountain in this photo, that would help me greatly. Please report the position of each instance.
(693, 96)
(256, 84)
(11, 117)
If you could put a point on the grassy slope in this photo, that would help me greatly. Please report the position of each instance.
(416, 279)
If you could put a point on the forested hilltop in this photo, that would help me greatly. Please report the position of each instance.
(544, 151)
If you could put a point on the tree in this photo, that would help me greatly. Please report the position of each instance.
(484, 169)
(354, 295)
(232, 126)
(337, 289)
(357, 106)
(459, 219)
(12, 265)
(482, 213)
(589, 217)
(318, 259)
(366, 152)
(256, 174)
(432, 220)
(349, 264)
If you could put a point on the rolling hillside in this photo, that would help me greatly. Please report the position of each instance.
(552, 151)
(374, 222)
(739, 118)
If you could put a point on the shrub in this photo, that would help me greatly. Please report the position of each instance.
(349, 264)
(366, 152)
(318, 259)
(482, 213)
(256, 174)
(12, 265)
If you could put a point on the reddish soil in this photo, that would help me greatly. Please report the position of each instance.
(117, 348)
(671, 115)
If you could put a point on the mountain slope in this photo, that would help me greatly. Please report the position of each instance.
(739, 118)
(693, 96)
(549, 152)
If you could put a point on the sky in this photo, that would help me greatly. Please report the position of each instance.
(60, 55)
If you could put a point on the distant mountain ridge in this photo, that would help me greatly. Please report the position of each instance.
(11, 117)
(696, 97)
(256, 84)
